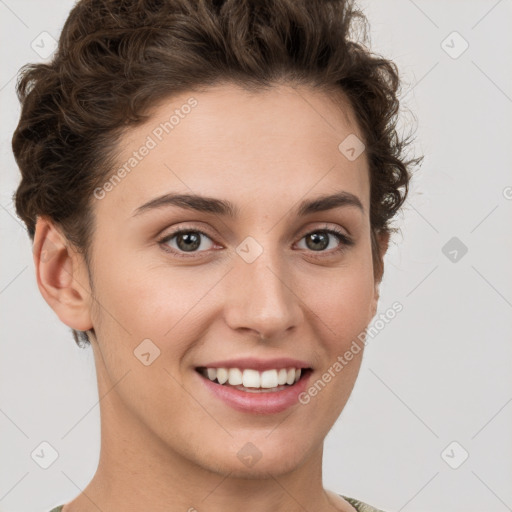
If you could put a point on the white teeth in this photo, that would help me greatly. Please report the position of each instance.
(250, 378)
(222, 375)
(269, 379)
(235, 376)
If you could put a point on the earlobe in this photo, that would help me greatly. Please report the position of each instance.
(61, 276)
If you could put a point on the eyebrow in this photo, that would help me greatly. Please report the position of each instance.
(226, 208)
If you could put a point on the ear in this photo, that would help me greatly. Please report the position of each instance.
(62, 276)
(382, 242)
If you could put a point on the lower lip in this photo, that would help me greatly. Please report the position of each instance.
(270, 402)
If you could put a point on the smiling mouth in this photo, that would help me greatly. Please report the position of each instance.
(254, 381)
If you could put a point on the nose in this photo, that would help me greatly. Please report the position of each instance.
(260, 297)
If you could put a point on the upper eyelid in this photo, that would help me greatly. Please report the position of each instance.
(179, 230)
(304, 231)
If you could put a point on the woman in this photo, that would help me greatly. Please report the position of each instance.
(208, 186)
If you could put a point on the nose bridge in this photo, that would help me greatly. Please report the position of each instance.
(261, 297)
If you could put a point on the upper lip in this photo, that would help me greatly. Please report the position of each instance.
(258, 364)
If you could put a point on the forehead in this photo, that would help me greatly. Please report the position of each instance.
(232, 143)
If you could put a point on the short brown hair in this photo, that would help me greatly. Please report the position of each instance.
(116, 59)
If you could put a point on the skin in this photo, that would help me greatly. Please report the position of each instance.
(163, 433)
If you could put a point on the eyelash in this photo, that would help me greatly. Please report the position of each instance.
(344, 240)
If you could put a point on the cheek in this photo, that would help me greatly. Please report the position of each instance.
(343, 301)
(141, 302)
(135, 306)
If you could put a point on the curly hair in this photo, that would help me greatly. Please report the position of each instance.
(118, 58)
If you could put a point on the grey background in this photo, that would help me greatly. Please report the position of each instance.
(439, 372)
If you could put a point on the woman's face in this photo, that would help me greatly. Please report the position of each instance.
(265, 282)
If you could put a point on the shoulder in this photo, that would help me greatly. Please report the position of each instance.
(358, 505)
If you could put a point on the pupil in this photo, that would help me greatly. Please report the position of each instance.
(191, 241)
(322, 239)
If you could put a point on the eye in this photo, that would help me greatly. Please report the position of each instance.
(195, 241)
(320, 240)
(186, 241)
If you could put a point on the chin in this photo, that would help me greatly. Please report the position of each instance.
(260, 459)
(261, 469)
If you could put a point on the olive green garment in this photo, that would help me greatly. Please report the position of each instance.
(358, 505)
